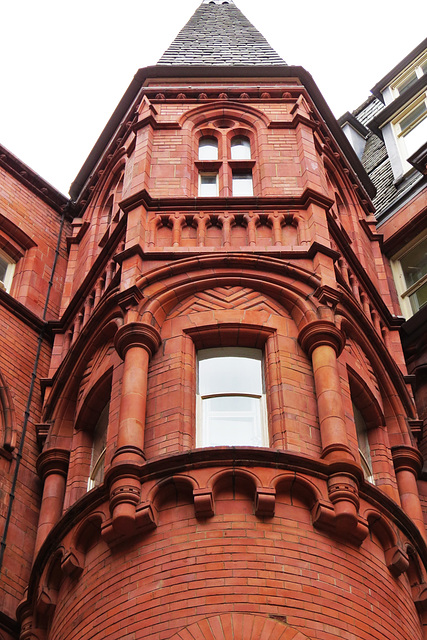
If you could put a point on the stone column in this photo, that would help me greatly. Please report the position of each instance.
(408, 464)
(324, 342)
(135, 343)
(52, 466)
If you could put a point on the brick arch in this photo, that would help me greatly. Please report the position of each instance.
(206, 112)
(239, 626)
(288, 285)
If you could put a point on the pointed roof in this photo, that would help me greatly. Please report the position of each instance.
(219, 34)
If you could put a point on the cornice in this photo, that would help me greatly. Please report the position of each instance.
(253, 203)
(32, 181)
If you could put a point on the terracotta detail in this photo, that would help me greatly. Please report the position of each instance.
(321, 332)
(136, 334)
(397, 561)
(203, 503)
(265, 502)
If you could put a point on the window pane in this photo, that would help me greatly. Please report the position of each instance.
(208, 185)
(408, 82)
(363, 442)
(414, 263)
(240, 148)
(3, 268)
(232, 421)
(416, 136)
(413, 116)
(419, 298)
(239, 372)
(242, 183)
(208, 149)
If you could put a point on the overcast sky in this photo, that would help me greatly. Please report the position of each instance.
(65, 64)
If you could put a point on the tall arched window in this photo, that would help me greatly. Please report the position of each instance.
(96, 476)
(363, 443)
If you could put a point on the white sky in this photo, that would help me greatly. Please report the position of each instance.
(66, 64)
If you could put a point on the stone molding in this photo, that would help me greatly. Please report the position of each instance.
(53, 461)
(321, 333)
(136, 334)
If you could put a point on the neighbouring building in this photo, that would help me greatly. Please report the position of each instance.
(207, 425)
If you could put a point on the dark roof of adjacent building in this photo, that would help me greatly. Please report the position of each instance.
(377, 164)
(219, 34)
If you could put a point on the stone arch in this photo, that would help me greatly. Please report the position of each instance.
(239, 626)
(63, 399)
(289, 285)
(206, 112)
(294, 484)
(7, 418)
(390, 379)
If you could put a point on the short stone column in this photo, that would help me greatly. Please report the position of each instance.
(52, 467)
(408, 464)
(135, 343)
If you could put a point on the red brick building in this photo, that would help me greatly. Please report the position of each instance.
(219, 418)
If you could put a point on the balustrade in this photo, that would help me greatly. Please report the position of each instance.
(226, 230)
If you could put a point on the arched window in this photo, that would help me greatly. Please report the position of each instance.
(231, 398)
(240, 148)
(208, 148)
(98, 449)
(7, 268)
(363, 443)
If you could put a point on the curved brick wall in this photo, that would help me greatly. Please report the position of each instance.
(185, 570)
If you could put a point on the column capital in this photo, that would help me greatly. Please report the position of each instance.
(137, 334)
(53, 461)
(321, 333)
(407, 458)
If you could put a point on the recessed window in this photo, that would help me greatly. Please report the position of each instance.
(208, 184)
(242, 182)
(208, 148)
(410, 273)
(240, 148)
(363, 442)
(7, 268)
(96, 476)
(230, 398)
(409, 77)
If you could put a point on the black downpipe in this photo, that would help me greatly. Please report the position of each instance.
(31, 390)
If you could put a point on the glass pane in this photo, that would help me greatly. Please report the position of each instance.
(232, 421)
(413, 116)
(414, 263)
(363, 442)
(408, 82)
(242, 184)
(416, 136)
(230, 371)
(208, 149)
(208, 185)
(240, 148)
(3, 268)
(419, 298)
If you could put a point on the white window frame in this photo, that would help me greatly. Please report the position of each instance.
(241, 151)
(6, 283)
(399, 278)
(208, 195)
(401, 132)
(415, 68)
(202, 435)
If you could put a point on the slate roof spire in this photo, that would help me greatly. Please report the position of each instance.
(219, 34)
